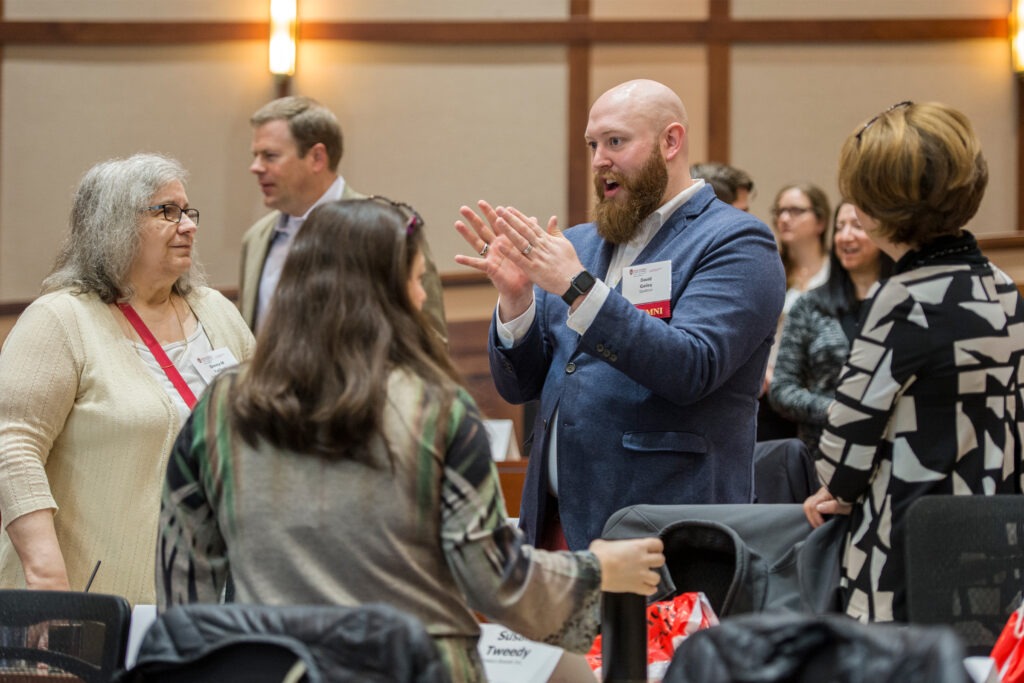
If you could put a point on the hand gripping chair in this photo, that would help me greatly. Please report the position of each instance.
(745, 558)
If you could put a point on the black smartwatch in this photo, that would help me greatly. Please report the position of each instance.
(578, 286)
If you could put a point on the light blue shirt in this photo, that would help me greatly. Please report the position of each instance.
(281, 243)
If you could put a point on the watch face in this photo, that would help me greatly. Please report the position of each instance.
(583, 282)
(578, 286)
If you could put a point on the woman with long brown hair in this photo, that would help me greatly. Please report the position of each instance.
(347, 464)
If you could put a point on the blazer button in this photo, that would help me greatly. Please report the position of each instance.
(613, 357)
(570, 368)
(606, 353)
(600, 348)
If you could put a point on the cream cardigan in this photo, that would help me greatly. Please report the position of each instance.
(86, 428)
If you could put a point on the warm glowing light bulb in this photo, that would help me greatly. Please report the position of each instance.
(282, 36)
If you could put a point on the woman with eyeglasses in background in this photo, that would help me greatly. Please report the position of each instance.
(346, 464)
(800, 214)
(88, 407)
(821, 325)
(930, 401)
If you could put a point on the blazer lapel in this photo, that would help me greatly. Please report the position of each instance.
(256, 249)
(675, 225)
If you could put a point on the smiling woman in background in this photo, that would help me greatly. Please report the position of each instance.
(88, 409)
(821, 326)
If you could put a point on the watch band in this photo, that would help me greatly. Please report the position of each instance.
(579, 285)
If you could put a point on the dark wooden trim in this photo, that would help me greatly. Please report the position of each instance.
(128, 33)
(578, 93)
(1003, 240)
(283, 86)
(451, 32)
(575, 30)
(862, 30)
(464, 278)
(512, 476)
(719, 85)
(8, 308)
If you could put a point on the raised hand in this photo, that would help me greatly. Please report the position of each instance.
(544, 255)
(514, 286)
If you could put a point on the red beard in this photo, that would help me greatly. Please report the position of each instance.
(618, 219)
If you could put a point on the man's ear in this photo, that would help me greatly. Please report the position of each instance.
(672, 140)
(318, 157)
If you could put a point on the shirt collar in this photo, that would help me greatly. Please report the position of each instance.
(289, 224)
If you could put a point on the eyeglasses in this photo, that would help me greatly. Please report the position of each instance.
(415, 221)
(793, 211)
(898, 105)
(173, 212)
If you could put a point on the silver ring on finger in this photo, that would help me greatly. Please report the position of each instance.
(483, 252)
(528, 249)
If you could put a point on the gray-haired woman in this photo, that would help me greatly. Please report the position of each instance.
(97, 377)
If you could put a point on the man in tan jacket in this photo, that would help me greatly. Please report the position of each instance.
(296, 149)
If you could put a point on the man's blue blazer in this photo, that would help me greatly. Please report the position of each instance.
(651, 410)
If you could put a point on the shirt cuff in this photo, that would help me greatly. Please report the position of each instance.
(583, 318)
(512, 331)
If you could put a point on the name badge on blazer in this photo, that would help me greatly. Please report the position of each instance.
(649, 287)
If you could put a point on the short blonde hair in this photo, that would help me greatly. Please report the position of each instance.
(917, 169)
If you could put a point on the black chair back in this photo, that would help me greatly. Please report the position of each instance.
(83, 634)
(783, 472)
(965, 564)
(264, 643)
(798, 648)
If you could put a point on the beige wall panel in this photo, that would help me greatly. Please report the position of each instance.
(64, 109)
(137, 10)
(637, 10)
(684, 69)
(437, 10)
(794, 106)
(873, 9)
(441, 127)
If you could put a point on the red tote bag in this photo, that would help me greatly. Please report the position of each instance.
(1008, 652)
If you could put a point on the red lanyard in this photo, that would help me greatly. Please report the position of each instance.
(161, 358)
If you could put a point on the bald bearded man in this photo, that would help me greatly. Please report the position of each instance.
(644, 334)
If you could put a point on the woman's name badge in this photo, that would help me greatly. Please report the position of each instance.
(649, 287)
(214, 363)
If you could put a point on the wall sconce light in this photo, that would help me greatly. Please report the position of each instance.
(1017, 37)
(283, 19)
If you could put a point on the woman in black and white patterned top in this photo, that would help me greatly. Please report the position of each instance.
(930, 400)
